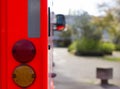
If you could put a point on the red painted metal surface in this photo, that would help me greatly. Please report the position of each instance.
(14, 27)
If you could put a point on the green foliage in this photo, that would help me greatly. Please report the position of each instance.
(84, 27)
(117, 59)
(107, 47)
(117, 47)
(106, 22)
(86, 45)
(111, 20)
(72, 47)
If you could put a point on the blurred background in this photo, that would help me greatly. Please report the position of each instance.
(90, 41)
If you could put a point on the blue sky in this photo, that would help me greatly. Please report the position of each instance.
(64, 6)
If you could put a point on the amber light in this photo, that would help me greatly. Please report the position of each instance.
(24, 76)
(24, 51)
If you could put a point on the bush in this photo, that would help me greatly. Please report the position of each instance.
(87, 45)
(72, 47)
(107, 47)
(92, 47)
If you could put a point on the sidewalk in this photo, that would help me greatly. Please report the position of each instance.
(75, 72)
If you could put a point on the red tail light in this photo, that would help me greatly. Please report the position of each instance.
(24, 51)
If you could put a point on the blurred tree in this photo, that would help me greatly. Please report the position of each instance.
(84, 28)
(106, 22)
(116, 14)
(110, 21)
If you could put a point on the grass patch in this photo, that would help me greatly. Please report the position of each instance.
(115, 59)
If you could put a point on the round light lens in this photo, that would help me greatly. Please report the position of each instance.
(23, 76)
(24, 51)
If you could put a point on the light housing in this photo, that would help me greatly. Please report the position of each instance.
(60, 22)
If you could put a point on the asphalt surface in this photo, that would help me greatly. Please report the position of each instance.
(78, 72)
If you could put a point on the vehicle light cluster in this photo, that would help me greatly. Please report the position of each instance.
(24, 52)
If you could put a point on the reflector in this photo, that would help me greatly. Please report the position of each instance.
(23, 76)
(24, 51)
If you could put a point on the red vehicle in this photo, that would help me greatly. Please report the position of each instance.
(24, 44)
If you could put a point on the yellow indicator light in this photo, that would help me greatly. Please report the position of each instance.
(23, 76)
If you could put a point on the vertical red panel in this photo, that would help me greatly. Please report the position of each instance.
(44, 25)
(3, 43)
(16, 30)
(14, 27)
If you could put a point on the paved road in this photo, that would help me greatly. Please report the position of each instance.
(75, 72)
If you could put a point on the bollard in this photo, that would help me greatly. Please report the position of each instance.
(104, 74)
